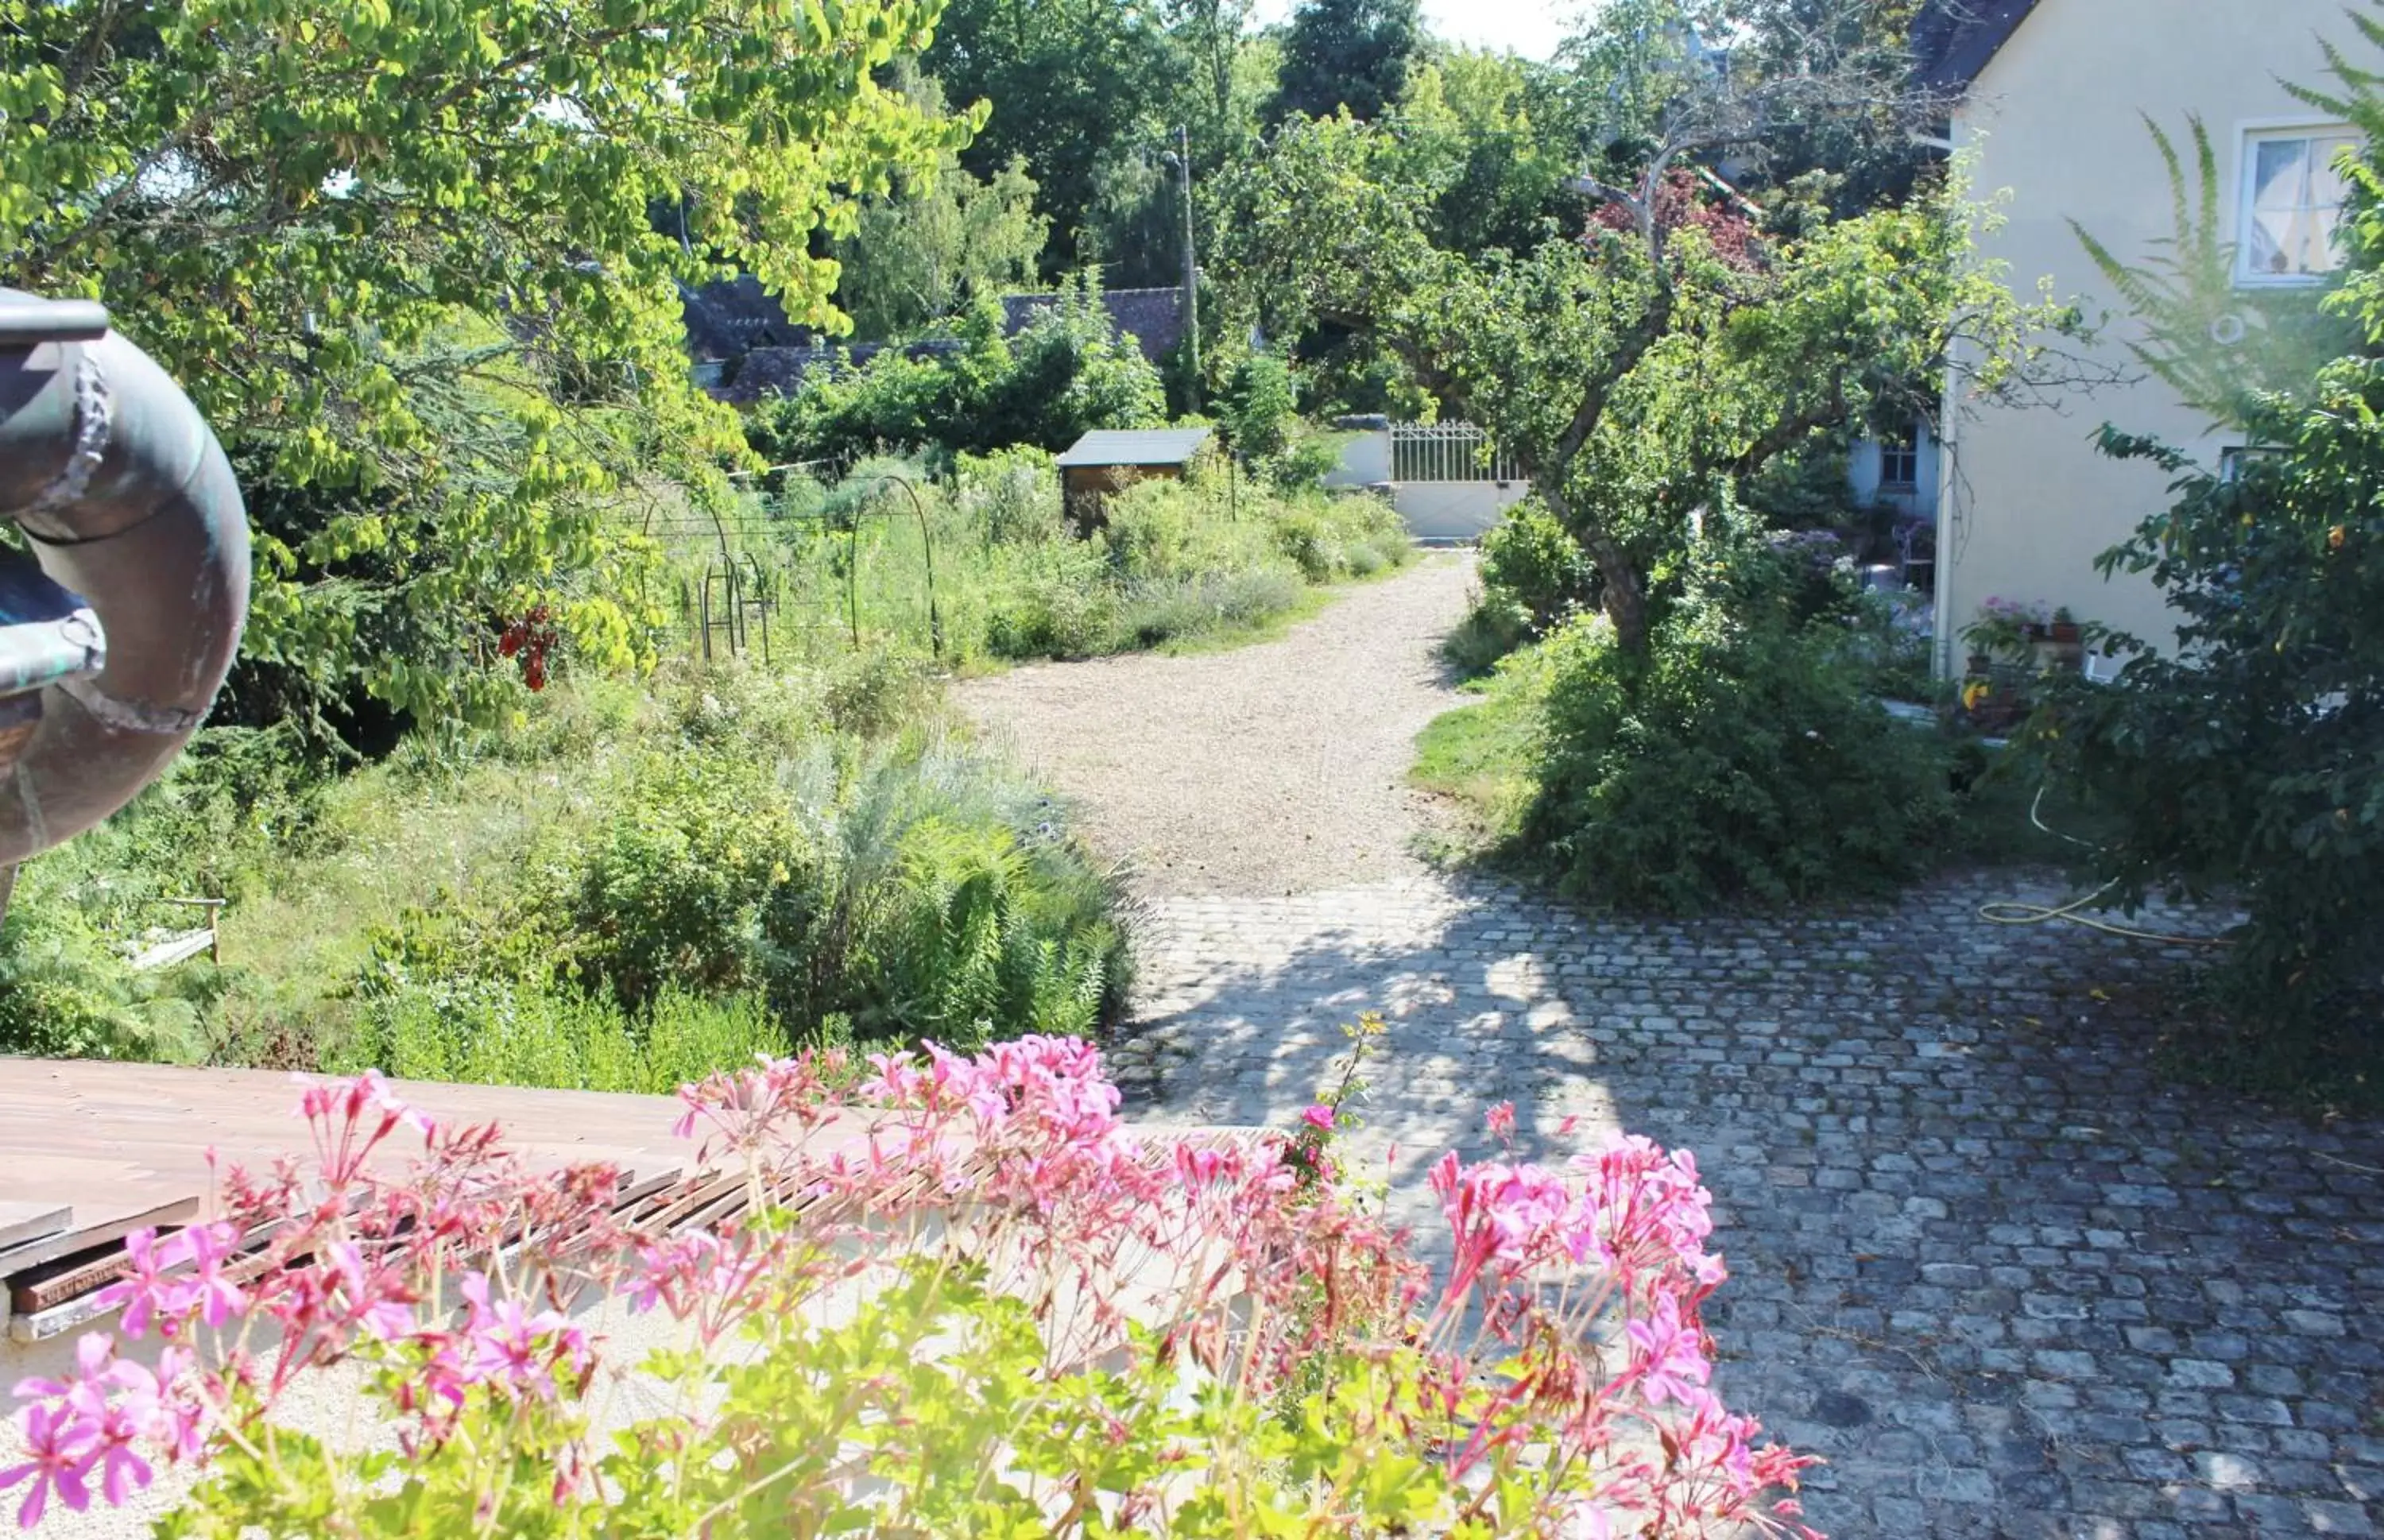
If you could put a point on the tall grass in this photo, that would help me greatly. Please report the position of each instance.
(506, 1032)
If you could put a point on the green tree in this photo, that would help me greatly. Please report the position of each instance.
(1629, 374)
(1345, 54)
(1795, 88)
(1492, 138)
(1071, 86)
(1067, 371)
(400, 254)
(939, 241)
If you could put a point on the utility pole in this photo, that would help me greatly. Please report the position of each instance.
(1191, 269)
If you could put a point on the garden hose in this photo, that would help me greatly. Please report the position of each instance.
(2018, 912)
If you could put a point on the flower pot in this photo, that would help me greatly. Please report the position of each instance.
(1980, 665)
(2062, 633)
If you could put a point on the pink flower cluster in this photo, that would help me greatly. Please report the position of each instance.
(1623, 1233)
(101, 1417)
(1228, 1254)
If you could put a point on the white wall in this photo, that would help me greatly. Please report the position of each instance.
(1455, 510)
(1365, 459)
(2027, 502)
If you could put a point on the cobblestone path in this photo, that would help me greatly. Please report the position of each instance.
(2005, 1281)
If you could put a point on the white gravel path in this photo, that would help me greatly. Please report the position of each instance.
(1270, 769)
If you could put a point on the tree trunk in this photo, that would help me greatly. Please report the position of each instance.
(1625, 597)
(1623, 588)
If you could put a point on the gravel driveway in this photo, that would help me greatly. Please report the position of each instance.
(1272, 769)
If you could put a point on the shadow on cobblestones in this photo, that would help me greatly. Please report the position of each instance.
(2002, 1278)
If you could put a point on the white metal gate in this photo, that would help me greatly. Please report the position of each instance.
(1447, 483)
(1447, 452)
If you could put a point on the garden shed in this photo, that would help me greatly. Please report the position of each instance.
(1108, 460)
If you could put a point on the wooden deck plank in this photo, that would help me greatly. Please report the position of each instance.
(21, 1222)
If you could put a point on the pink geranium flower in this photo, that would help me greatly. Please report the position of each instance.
(1318, 1116)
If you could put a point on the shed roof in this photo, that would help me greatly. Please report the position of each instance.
(1135, 446)
(1953, 40)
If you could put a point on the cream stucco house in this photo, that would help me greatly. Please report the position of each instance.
(2054, 98)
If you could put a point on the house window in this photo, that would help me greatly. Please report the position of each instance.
(2232, 459)
(1899, 463)
(2292, 200)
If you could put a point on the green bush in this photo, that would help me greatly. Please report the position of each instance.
(1495, 628)
(874, 693)
(1740, 759)
(1161, 611)
(698, 866)
(1258, 407)
(67, 991)
(1180, 560)
(1177, 560)
(2246, 759)
(1531, 560)
(1067, 371)
(1009, 496)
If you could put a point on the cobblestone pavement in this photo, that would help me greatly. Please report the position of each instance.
(2004, 1280)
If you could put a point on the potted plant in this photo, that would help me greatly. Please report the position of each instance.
(2064, 630)
(2006, 630)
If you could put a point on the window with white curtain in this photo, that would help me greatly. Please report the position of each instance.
(2291, 203)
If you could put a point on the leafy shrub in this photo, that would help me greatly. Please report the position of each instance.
(872, 693)
(1258, 407)
(1493, 626)
(1011, 496)
(953, 903)
(1182, 559)
(1048, 617)
(1741, 758)
(1532, 561)
(1155, 612)
(1808, 488)
(699, 861)
(2248, 759)
(909, 889)
(67, 990)
(971, 939)
(1129, 1335)
(1302, 463)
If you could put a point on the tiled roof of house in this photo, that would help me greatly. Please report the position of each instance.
(728, 316)
(736, 323)
(1953, 40)
(1134, 446)
(1153, 317)
(777, 371)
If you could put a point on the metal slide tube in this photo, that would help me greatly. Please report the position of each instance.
(129, 503)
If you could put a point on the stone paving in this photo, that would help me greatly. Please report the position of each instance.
(2006, 1280)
